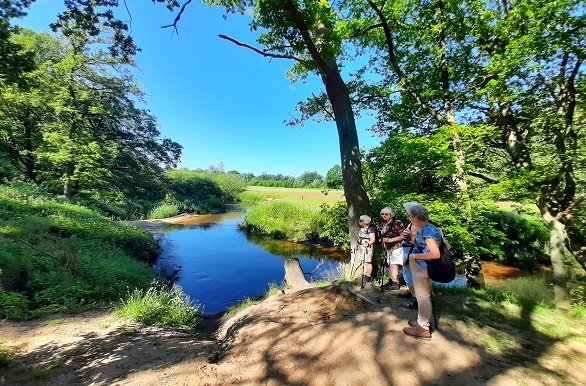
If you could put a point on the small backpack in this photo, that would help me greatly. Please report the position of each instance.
(377, 235)
(442, 270)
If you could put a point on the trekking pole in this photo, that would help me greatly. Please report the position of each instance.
(382, 269)
(434, 315)
(352, 260)
(363, 267)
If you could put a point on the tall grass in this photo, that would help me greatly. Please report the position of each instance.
(60, 257)
(164, 210)
(160, 305)
(287, 220)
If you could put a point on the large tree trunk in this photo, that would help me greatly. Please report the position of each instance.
(339, 97)
(354, 192)
(557, 234)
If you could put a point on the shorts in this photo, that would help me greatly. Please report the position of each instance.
(365, 253)
(395, 256)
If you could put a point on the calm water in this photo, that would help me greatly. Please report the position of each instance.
(218, 265)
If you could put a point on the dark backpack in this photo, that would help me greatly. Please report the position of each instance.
(377, 236)
(442, 270)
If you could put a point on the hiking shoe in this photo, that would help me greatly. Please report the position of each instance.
(392, 285)
(417, 332)
(406, 295)
(410, 305)
(413, 323)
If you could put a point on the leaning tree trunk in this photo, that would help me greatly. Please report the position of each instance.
(339, 97)
(557, 234)
(354, 192)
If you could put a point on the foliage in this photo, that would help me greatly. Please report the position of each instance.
(162, 305)
(294, 221)
(79, 131)
(58, 257)
(164, 210)
(526, 240)
(334, 179)
(335, 224)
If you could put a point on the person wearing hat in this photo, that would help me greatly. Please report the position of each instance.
(392, 236)
(365, 245)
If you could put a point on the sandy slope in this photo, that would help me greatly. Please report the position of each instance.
(317, 336)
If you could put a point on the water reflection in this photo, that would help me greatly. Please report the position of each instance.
(217, 264)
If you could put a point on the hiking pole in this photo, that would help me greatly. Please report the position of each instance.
(382, 268)
(363, 267)
(434, 315)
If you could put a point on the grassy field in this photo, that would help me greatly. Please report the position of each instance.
(297, 194)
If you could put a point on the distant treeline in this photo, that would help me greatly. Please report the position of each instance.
(308, 179)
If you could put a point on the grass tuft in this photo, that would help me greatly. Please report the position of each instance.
(161, 305)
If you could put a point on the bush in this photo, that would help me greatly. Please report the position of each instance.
(526, 240)
(6, 355)
(335, 224)
(164, 210)
(161, 305)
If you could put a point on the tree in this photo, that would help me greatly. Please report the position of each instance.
(334, 179)
(513, 73)
(535, 56)
(304, 31)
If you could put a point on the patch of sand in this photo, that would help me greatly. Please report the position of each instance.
(315, 336)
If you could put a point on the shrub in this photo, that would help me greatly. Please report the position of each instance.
(160, 305)
(526, 238)
(164, 210)
(335, 224)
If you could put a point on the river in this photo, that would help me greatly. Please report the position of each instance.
(217, 264)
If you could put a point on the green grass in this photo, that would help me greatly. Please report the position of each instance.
(284, 220)
(6, 355)
(164, 210)
(60, 257)
(160, 305)
(532, 288)
(507, 322)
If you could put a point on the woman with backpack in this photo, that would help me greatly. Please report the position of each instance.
(365, 245)
(426, 247)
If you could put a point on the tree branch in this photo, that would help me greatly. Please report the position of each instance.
(259, 51)
(483, 177)
(367, 29)
(323, 107)
(178, 17)
(566, 212)
(393, 62)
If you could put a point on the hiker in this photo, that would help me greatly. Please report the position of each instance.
(408, 239)
(391, 237)
(365, 245)
(426, 247)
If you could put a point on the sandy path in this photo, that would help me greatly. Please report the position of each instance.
(318, 336)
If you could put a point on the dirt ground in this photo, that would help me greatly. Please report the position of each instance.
(315, 336)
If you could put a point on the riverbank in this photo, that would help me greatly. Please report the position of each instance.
(316, 336)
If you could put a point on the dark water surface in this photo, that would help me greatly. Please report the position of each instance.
(218, 265)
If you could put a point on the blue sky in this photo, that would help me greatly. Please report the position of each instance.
(222, 102)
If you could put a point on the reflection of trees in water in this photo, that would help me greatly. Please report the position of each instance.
(289, 249)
